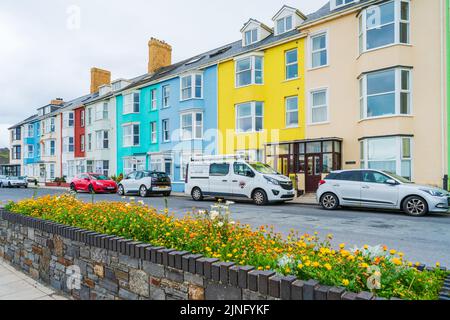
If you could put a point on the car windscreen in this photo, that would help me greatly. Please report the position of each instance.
(263, 168)
(156, 175)
(99, 177)
(397, 177)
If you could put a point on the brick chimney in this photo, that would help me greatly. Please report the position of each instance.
(57, 102)
(99, 77)
(159, 55)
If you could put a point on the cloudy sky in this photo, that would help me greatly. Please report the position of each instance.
(47, 52)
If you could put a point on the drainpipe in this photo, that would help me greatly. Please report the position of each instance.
(444, 7)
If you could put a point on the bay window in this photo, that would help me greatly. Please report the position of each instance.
(386, 92)
(249, 71)
(131, 136)
(133, 164)
(131, 103)
(192, 86)
(384, 24)
(391, 154)
(192, 126)
(249, 117)
(102, 167)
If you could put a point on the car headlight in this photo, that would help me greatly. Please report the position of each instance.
(434, 193)
(272, 180)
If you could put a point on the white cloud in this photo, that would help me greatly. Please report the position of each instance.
(41, 58)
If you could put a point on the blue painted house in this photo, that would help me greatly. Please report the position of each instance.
(31, 147)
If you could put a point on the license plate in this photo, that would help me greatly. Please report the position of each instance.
(110, 188)
(160, 188)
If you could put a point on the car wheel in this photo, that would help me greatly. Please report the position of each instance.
(91, 189)
(73, 188)
(167, 194)
(143, 191)
(329, 201)
(415, 206)
(121, 190)
(259, 197)
(197, 194)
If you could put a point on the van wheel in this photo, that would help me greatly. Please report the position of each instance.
(259, 197)
(143, 192)
(197, 194)
(329, 201)
(415, 206)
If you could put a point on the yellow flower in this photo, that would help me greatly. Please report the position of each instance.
(307, 263)
(327, 266)
(267, 267)
(229, 255)
(393, 251)
(366, 246)
(342, 246)
(364, 265)
(345, 282)
(260, 268)
(397, 261)
(300, 266)
(438, 264)
(288, 270)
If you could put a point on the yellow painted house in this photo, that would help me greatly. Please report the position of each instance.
(261, 93)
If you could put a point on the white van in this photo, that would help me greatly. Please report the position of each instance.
(234, 177)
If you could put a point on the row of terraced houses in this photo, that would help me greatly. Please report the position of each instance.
(357, 84)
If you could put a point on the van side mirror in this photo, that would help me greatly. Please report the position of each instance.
(391, 182)
(249, 174)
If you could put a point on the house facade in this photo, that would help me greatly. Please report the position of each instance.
(31, 147)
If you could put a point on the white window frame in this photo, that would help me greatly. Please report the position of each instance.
(82, 118)
(30, 134)
(89, 116)
(101, 137)
(68, 118)
(153, 132)
(132, 135)
(398, 91)
(311, 107)
(312, 51)
(129, 103)
(400, 157)
(253, 32)
(67, 144)
(287, 65)
(193, 126)
(397, 23)
(193, 86)
(82, 143)
(30, 154)
(163, 131)
(252, 116)
(153, 99)
(287, 99)
(89, 142)
(252, 70)
(278, 32)
(136, 164)
(166, 96)
(102, 111)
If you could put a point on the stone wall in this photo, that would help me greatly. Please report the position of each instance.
(116, 268)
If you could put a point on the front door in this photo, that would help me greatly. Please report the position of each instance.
(313, 172)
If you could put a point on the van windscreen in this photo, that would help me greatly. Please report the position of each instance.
(263, 168)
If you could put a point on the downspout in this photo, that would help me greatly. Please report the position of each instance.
(444, 137)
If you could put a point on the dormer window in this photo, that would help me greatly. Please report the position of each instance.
(335, 4)
(284, 25)
(254, 31)
(251, 37)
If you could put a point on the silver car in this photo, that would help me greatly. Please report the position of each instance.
(379, 189)
(14, 182)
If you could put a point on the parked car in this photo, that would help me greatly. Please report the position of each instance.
(93, 183)
(380, 189)
(14, 182)
(145, 183)
(233, 177)
(2, 178)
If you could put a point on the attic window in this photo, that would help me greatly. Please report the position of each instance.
(220, 51)
(194, 60)
(335, 4)
(251, 36)
(284, 25)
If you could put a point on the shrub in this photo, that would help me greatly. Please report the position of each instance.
(214, 234)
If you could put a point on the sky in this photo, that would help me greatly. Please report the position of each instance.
(48, 47)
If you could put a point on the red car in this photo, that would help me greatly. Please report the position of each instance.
(93, 183)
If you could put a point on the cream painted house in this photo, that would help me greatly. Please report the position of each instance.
(375, 80)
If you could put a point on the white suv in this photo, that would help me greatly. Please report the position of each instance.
(379, 189)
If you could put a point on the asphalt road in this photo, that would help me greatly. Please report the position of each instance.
(424, 239)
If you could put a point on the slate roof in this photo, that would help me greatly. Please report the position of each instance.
(325, 10)
(29, 119)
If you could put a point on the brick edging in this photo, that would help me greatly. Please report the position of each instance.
(227, 273)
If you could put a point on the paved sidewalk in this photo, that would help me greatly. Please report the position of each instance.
(14, 285)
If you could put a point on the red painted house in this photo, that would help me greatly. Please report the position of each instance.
(79, 132)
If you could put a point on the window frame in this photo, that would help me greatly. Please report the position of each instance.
(311, 107)
(129, 106)
(312, 51)
(165, 128)
(153, 99)
(193, 126)
(286, 100)
(131, 136)
(165, 96)
(278, 32)
(335, 6)
(362, 26)
(192, 87)
(103, 142)
(254, 36)
(253, 116)
(287, 65)
(398, 91)
(252, 70)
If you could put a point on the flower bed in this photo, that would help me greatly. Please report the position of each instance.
(214, 235)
